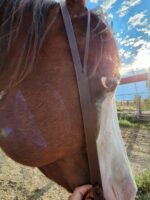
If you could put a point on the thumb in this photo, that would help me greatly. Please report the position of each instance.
(79, 192)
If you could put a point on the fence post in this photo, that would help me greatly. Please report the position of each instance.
(138, 106)
(148, 81)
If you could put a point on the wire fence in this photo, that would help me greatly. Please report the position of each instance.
(134, 103)
(137, 106)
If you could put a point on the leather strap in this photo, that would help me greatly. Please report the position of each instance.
(87, 43)
(87, 107)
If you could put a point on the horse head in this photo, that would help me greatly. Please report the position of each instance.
(40, 115)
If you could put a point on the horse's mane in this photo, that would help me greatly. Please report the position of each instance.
(14, 11)
(13, 14)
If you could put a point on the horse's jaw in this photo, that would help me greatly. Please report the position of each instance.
(70, 172)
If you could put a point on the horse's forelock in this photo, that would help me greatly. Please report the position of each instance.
(40, 9)
(14, 11)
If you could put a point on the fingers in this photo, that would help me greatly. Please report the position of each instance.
(79, 192)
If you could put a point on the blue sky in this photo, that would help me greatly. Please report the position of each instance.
(131, 26)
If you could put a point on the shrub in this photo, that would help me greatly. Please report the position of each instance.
(125, 123)
(143, 184)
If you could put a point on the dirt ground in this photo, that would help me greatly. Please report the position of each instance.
(18, 182)
(138, 148)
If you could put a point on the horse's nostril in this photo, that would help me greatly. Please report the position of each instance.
(110, 83)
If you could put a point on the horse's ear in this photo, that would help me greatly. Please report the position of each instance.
(83, 2)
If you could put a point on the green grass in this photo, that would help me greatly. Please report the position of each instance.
(143, 197)
(131, 121)
(131, 105)
(127, 123)
(143, 184)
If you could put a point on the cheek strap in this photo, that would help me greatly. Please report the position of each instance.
(88, 109)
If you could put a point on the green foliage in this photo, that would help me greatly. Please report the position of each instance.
(125, 123)
(143, 197)
(125, 116)
(131, 105)
(126, 120)
(143, 184)
(126, 105)
(146, 104)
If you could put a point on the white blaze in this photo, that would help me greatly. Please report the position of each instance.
(116, 175)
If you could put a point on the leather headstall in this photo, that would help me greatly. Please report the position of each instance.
(87, 107)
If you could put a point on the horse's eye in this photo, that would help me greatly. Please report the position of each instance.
(109, 83)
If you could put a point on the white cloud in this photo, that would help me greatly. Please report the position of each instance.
(132, 42)
(121, 52)
(119, 38)
(118, 35)
(145, 30)
(108, 4)
(94, 1)
(110, 16)
(141, 61)
(124, 54)
(127, 54)
(138, 43)
(126, 5)
(138, 20)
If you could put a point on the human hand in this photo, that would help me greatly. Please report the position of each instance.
(79, 192)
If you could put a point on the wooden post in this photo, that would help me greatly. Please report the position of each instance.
(134, 78)
(138, 106)
(148, 82)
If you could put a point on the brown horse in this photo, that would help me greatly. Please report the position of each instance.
(40, 115)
